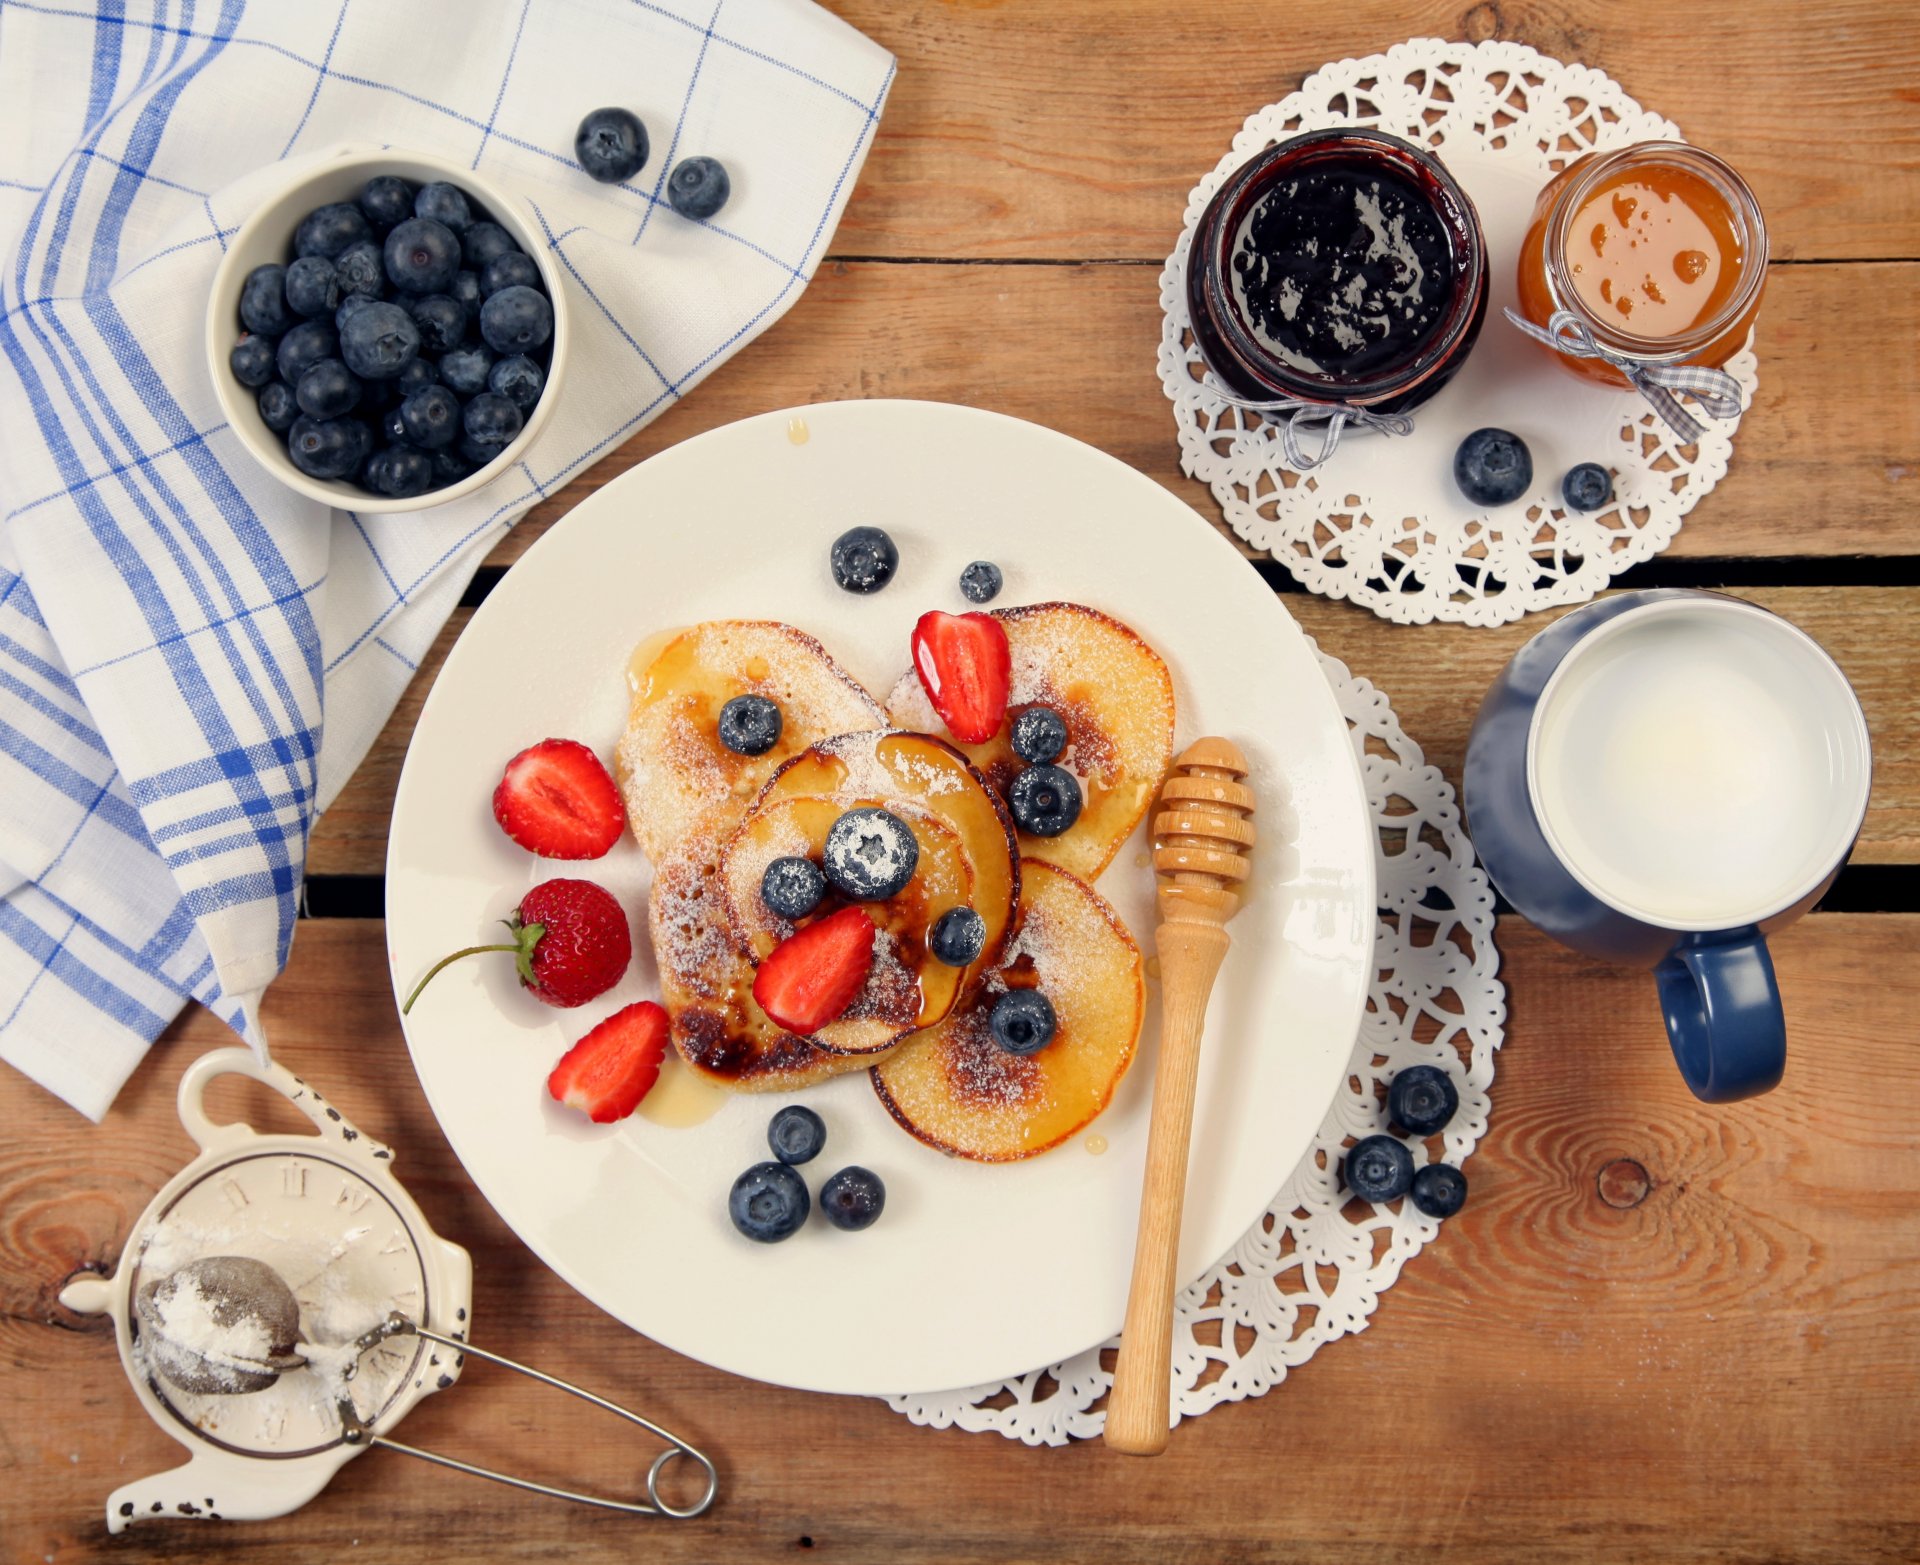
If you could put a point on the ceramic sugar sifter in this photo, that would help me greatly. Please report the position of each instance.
(280, 1307)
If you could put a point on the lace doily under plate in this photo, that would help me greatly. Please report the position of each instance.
(1382, 522)
(1313, 1268)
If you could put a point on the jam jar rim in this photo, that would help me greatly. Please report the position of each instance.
(1741, 202)
(1457, 328)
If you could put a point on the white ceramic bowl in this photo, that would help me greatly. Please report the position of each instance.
(267, 236)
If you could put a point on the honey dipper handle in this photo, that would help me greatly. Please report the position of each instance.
(1139, 1404)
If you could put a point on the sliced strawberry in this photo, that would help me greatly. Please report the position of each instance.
(965, 666)
(557, 800)
(811, 978)
(608, 1072)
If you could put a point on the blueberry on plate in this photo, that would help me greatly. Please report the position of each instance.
(519, 380)
(421, 256)
(1439, 1190)
(431, 418)
(1044, 800)
(1039, 735)
(330, 229)
(768, 1202)
(305, 346)
(327, 390)
(611, 145)
(957, 937)
(444, 204)
(1379, 1169)
(465, 289)
(853, 1198)
(377, 342)
(1587, 486)
(1421, 1100)
(386, 201)
(263, 301)
(792, 887)
(870, 854)
(466, 369)
(400, 472)
(1493, 467)
(512, 270)
(416, 377)
(252, 360)
(1022, 1021)
(796, 1135)
(749, 725)
(863, 559)
(698, 188)
(327, 448)
(492, 419)
(278, 409)
(442, 320)
(313, 288)
(360, 270)
(478, 452)
(981, 582)
(516, 319)
(481, 242)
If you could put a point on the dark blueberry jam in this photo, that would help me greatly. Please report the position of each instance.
(1342, 269)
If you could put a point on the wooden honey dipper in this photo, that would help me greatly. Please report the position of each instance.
(1202, 832)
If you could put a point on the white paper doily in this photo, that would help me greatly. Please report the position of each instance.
(1313, 1268)
(1382, 522)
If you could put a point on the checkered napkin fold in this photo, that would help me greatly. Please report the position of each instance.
(192, 658)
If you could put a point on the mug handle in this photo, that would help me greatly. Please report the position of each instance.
(1724, 1019)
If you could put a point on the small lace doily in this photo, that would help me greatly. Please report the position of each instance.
(1314, 1267)
(1382, 522)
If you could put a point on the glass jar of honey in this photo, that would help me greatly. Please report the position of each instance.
(1659, 248)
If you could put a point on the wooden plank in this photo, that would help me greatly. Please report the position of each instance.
(1434, 674)
(1077, 127)
(1827, 461)
(1723, 1370)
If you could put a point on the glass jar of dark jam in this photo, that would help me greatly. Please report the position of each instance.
(1340, 266)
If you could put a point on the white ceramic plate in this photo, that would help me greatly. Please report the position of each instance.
(974, 1273)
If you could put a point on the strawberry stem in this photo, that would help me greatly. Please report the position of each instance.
(470, 951)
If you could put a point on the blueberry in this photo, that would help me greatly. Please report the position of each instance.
(1039, 735)
(431, 418)
(768, 1202)
(863, 559)
(957, 937)
(443, 204)
(278, 409)
(870, 854)
(465, 290)
(327, 390)
(360, 270)
(263, 301)
(379, 396)
(378, 342)
(792, 887)
(482, 242)
(512, 270)
(518, 379)
(449, 467)
(611, 145)
(749, 725)
(1439, 1190)
(1379, 1169)
(313, 287)
(466, 369)
(981, 582)
(400, 473)
(331, 229)
(1421, 1100)
(516, 319)
(252, 360)
(417, 376)
(698, 188)
(303, 347)
(393, 428)
(1493, 467)
(1022, 1021)
(386, 201)
(492, 419)
(479, 452)
(442, 320)
(1044, 800)
(326, 448)
(796, 1135)
(351, 305)
(853, 1198)
(1587, 486)
(422, 256)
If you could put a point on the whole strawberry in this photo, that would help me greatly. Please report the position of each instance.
(570, 942)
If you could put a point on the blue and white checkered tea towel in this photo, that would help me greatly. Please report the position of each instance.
(192, 658)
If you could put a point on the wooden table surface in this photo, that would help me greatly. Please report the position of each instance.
(1659, 1331)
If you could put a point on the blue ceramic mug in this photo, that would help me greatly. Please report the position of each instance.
(1665, 778)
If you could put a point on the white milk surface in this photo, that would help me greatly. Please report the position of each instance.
(1699, 765)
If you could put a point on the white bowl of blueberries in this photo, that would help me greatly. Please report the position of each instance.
(386, 331)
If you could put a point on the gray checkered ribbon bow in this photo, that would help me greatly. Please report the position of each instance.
(1330, 418)
(1717, 392)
